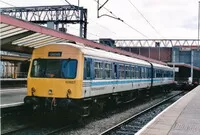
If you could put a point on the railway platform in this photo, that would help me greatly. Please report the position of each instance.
(7, 83)
(181, 118)
(12, 97)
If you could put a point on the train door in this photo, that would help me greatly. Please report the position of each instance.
(115, 77)
(87, 76)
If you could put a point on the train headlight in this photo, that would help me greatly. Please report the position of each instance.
(50, 92)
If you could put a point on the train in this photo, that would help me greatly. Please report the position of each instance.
(74, 78)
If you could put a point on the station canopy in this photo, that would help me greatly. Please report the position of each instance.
(22, 36)
(184, 65)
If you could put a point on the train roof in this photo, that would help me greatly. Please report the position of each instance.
(88, 51)
(161, 66)
(97, 53)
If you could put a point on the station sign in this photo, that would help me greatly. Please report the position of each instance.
(185, 49)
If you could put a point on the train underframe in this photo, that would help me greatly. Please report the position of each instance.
(87, 106)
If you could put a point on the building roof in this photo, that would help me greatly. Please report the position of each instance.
(184, 65)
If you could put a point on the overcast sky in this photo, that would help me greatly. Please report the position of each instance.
(172, 19)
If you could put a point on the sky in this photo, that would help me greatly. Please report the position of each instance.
(165, 19)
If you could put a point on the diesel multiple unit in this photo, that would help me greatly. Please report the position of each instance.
(75, 77)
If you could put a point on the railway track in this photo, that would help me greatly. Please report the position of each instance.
(26, 130)
(44, 128)
(11, 110)
(59, 128)
(15, 130)
(134, 123)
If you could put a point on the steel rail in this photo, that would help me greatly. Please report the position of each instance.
(115, 127)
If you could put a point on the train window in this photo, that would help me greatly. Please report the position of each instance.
(151, 73)
(69, 68)
(165, 74)
(98, 69)
(54, 68)
(132, 72)
(108, 70)
(145, 72)
(159, 73)
(171, 74)
(38, 67)
(87, 70)
(156, 73)
(139, 72)
(168, 74)
(148, 73)
(136, 72)
(121, 71)
(127, 72)
(142, 72)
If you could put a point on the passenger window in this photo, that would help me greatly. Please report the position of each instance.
(149, 73)
(98, 69)
(139, 72)
(127, 71)
(136, 72)
(121, 71)
(108, 70)
(132, 72)
(142, 72)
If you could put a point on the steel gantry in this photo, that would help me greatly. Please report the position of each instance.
(56, 16)
(153, 42)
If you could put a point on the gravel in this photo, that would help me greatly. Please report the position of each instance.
(100, 124)
(92, 125)
(136, 124)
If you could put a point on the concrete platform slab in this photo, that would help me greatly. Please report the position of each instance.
(181, 118)
(12, 97)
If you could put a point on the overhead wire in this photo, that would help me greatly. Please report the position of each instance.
(145, 18)
(66, 1)
(7, 3)
(104, 27)
(87, 32)
(101, 26)
(123, 21)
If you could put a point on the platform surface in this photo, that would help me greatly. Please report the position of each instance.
(181, 118)
(13, 79)
(12, 97)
